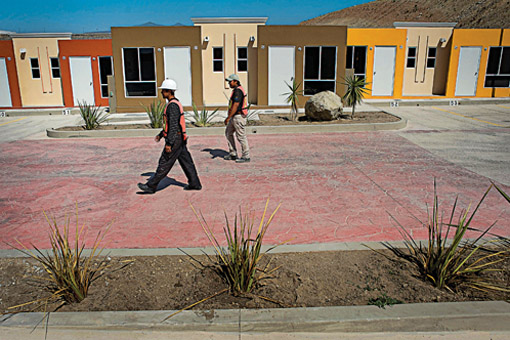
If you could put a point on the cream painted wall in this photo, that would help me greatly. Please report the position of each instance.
(46, 91)
(420, 80)
(228, 36)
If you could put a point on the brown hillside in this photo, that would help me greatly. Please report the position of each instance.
(383, 13)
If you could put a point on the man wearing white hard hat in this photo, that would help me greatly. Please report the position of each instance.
(236, 121)
(174, 133)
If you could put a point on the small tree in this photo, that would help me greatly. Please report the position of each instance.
(292, 98)
(356, 90)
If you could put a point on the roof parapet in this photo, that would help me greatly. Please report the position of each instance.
(230, 20)
(404, 24)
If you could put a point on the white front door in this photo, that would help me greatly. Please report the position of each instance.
(5, 92)
(384, 71)
(467, 73)
(281, 71)
(81, 79)
(178, 68)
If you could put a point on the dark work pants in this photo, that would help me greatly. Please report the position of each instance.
(167, 160)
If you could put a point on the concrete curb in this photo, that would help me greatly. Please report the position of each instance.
(457, 316)
(219, 131)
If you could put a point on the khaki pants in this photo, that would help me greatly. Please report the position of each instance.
(237, 124)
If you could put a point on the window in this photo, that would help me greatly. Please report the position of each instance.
(139, 71)
(356, 59)
(105, 70)
(36, 72)
(55, 68)
(411, 57)
(498, 67)
(217, 59)
(320, 69)
(431, 57)
(242, 59)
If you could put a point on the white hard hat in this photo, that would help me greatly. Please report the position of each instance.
(168, 84)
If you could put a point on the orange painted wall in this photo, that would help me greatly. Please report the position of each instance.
(7, 52)
(372, 37)
(505, 41)
(484, 38)
(93, 48)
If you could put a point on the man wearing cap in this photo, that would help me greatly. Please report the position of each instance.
(175, 136)
(236, 121)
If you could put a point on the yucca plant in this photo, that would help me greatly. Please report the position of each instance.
(92, 116)
(448, 263)
(202, 118)
(68, 272)
(252, 115)
(356, 91)
(239, 261)
(292, 98)
(155, 111)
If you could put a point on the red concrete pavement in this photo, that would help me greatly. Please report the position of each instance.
(337, 187)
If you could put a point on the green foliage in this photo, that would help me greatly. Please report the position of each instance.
(239, 262)
(292, 98)
(156, 112)
(383, 300)
(202, 118)
(356, 91)
(449, 263)
(68, 273)
(252, 115)
(92, 116)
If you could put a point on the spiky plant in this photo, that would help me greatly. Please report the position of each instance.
(292, 98)
(356, 91)
(202, 118)
(156, 112)
(92, 116)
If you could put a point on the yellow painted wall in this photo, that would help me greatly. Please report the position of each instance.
(473, 37)
(420, 80)
(372, 37)
(229, 36)
(505, 41)
(43, 92)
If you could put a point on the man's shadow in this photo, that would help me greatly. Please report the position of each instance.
(216, 153)
(165, 182)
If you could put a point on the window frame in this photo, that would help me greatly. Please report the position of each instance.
(55, 68)
(139, 72)
(38, 68)
(242, 59)
(320, 68)
(413, 58)
(498, 74)
(429, 58)
(352, 61)
(99, 71)
(222, 59)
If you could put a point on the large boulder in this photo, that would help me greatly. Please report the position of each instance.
(324, 105)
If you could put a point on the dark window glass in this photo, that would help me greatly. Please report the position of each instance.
(34, 62)
(411, 52)
(131, 70)
(218, 66)
(55, 68)
(360, 53)
(54, 62)
(411, 62)
(432, 52)
(141, 89)
(348, 58)
(497, 81)
(431, 63)
(104, 91)
(505, 61)
(493, 61)
(55, 72)
(105, 68)
(217, 52)
(313, 86)
(242, 65)
(242, 52)
(147, 64)
(328, 63)
(36, 74)
(312, 62)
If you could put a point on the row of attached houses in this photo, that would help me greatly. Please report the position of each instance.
(123, 70)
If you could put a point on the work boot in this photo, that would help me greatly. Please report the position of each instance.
(189, 187)
(242, 160)
(230, 157)
(146, 188)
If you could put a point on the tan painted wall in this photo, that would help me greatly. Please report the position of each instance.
(299, 36)
(158, 38)
(420, 80)
(228, 36)
(43, 92)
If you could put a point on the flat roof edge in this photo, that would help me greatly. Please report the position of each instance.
(41, 35)
(228, 20)
(397, 24)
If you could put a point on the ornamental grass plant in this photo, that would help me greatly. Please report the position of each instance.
(92, 116)
(155, 111)
(356, 91)
(449, 259)
(202, 118)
